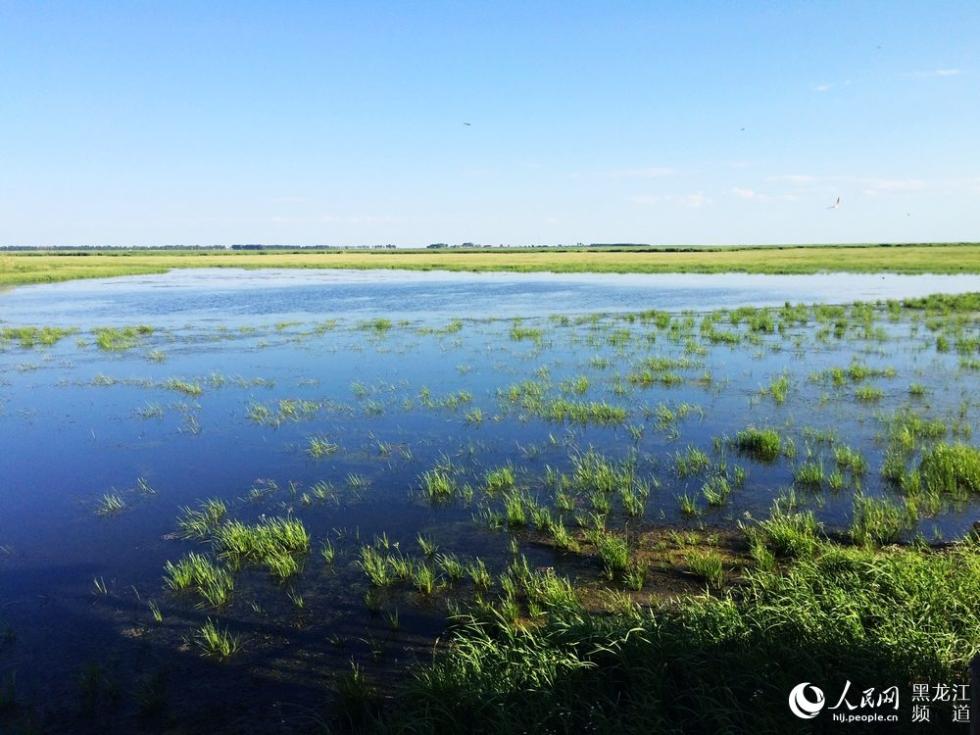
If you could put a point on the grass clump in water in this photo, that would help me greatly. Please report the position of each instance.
(216, 642)
(762, 444)
(319, 446)
(439, 483)
(116, 339)
(951, 468)
(200, 524)
(110, 504)
(499, 479)
(197, 573)
(275, 543)
(29, 337)
(880, 521)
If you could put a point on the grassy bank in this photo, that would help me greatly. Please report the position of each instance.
(712, 663)
(46, 266)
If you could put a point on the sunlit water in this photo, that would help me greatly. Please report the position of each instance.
(232, 296)
(77, 422)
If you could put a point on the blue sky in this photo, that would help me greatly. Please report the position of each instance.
(137, 123)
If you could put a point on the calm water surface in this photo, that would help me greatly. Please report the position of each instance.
(231, 296)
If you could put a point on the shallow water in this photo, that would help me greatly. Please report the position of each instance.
(77, 422)
(233, 296)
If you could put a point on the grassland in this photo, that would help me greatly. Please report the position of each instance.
(18, 268)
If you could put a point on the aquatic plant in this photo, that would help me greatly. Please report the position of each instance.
(426, 545)
(451, 566)
(184, 386)
(29, 337)
(479, 574)
(200, 524)
(439, 483)
(499, 479)
(613, 552)
(810, 474)
(707, 565)
(120, 338)
(762, 444)
(274, 542)
(778, 388)
(197, 573)
(319, 446)
(216, 642)
(375, 566)
(951, 468)
(787, 533)
(848, 459)
(424, 579)
(879, 520)
(110, 504)
(691, 461)
(716, 490)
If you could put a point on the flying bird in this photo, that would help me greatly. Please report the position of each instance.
(835, 205)
(466, 124)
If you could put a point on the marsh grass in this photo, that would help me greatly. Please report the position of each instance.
(951, 468)
(197, 573)
(186, 387)
(716, 490)
(319, 447)
(117, 339)
(761, 444)
(439, 483)
(691, 461)
(810, 475)
(498, 678)
(276, 543)
(110, 504)
(613, 552)
(879, 521)
(29, 337)
(787, 533)
(778, 388)
(216, 642)
(707, 565)
(200, 524)
(499, 479)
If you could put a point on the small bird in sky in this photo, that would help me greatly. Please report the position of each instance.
(835, 205)
(466, 124)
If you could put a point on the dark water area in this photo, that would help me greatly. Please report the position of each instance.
(242, 369)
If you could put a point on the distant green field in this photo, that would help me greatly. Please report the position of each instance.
(49, 266)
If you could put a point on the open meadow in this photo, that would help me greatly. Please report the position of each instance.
(20, 267)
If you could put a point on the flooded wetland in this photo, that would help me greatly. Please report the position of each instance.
(300, 501)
